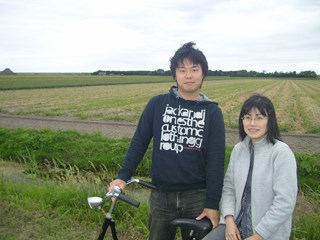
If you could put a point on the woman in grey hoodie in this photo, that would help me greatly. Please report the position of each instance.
(260, 185)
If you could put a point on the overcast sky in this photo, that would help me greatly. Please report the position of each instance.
(88, 35)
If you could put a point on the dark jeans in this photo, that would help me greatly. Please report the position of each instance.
(166, 206)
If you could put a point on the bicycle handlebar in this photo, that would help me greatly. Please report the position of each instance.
(126, 199)
(119, 194)
(116, 192)
(141, 182)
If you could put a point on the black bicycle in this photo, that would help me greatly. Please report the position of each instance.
(116, 193)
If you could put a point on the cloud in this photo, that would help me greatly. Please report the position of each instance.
(82, 36)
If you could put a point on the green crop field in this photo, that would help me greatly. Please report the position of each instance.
(32, 81)
(122, 98)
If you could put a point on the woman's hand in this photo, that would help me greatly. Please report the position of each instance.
(255, 236)
(232, 232)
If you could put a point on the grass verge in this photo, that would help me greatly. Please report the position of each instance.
(47, 198)
(33, 208)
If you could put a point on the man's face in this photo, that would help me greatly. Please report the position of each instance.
(189, 79)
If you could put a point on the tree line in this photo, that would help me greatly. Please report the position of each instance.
(239, 73)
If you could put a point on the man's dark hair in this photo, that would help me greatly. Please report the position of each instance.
(266, 108)
(194, 55)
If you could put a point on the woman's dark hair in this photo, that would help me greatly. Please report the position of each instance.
(266, 108)
(188, 51)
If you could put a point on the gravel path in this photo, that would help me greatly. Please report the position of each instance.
(297, 142)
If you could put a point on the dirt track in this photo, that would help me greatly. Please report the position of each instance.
(297, 142)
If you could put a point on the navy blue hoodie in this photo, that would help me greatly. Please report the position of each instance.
(188, 145)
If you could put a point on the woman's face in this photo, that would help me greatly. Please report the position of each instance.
(255, 125)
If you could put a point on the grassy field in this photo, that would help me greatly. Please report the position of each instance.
(122, 98)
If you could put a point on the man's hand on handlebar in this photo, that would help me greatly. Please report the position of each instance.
(211, 214)
(118, 182)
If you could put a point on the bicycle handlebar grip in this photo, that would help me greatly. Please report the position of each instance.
(126, 199)
(147, 184)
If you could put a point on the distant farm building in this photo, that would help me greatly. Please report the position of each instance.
(7, 71)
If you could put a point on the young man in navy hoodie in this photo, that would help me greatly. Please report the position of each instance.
(188, 136)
